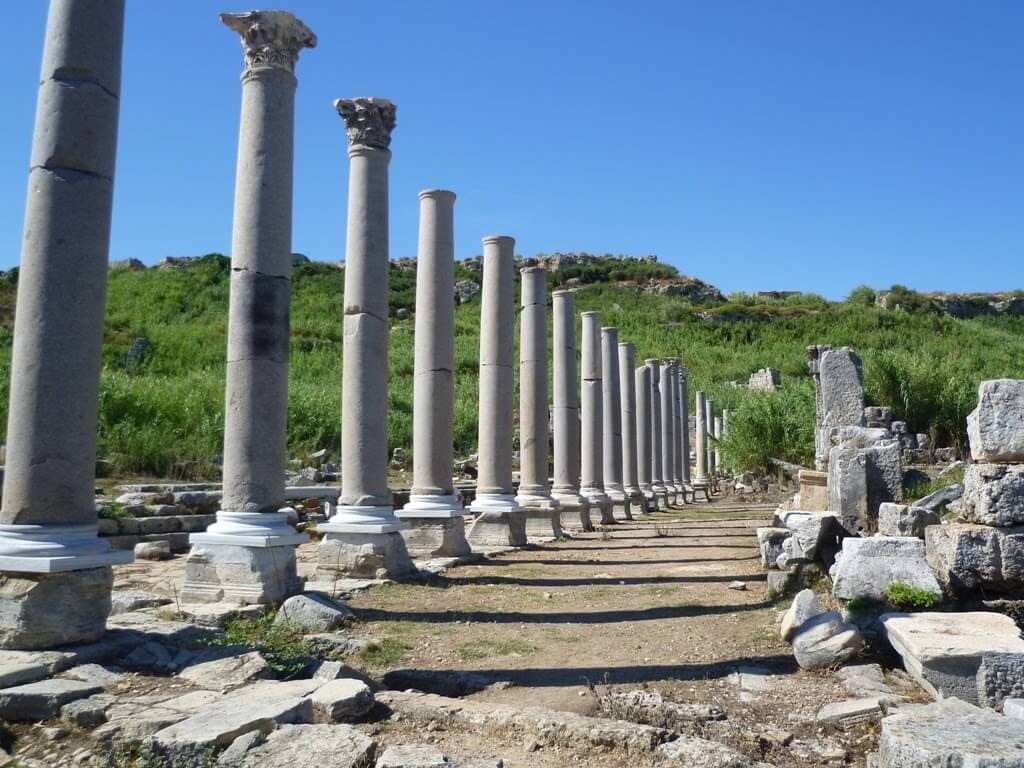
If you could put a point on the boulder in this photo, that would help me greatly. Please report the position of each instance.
(313, 612)
(993, 494)
(903, 520)
(343, 700)
(996, 427)
(295, 746)
(816, 535)
(769, 542)
(943, 497)
(967, 557)
(153, 550)
(825, 641)
(805, 606)
(87, 713)
(866, 567)
(944, 652)
(949, 733)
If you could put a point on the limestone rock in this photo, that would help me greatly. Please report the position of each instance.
(1014, 708)
(825, 641)
(42, 700)
(949, 733)
(1000, 677)
(93, 673)
(850, 712)
(944, 651)
(996, 427)
(136, 719)
(859, 437)
(904, 520)
(848, 487)
(296, 746)
(43, 610)
(87, 713)
(126, 601)
(412, 756)
(343, 700)
(993, 494)
(153, 550)
(650, 708)
(693, 752)
(313, 612)
(816, 535)
(805, 607)
(943, 497)
(220, 671)
(865, 567)
(968, 557)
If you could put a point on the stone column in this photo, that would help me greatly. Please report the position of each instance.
(592, 431)
(542, 516)
(499, 520)
(434, 513)
(709, 431)
(657, 436)
(574, 508)
(611, 407)
(718, 436)
(677, 432)
(701, 481)
(248, 555)
(363, 538)
(644, 437)
(627, 388)
(684, 415)
(55, 575)
(668, 429)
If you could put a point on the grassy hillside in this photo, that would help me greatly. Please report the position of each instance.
(165, 416)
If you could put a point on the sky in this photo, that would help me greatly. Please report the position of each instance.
(808, 145)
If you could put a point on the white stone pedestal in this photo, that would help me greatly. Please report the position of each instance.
(437, 526)
(363, 542)
(500, 522)
(543, 518)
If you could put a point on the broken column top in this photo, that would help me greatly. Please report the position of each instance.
(995, 427)
(270, 39)
(427, 193)
(499, 239)
(369, 120)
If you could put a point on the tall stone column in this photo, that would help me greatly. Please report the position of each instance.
(542, 516)
(55, 575)
(701, 481)
(709, 429)
(611, 434)
(574, 507)
(627, 387)
(248, 554)
(657, 436)
(499, 521)
(684, 415)
(677, 433)
(718, 450)
(668, 431)
(363, 538)
(434, 513)
(592, 417)
(644, 436)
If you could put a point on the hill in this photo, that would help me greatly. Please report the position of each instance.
(161, 407)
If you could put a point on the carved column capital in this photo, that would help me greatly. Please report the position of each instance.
(369, 121)
(270, 39)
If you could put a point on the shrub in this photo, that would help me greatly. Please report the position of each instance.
(907, 597)
(862, 296)
(771, 425)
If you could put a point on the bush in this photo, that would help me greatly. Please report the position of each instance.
(771, 425)
(907, 597)
(862, 296)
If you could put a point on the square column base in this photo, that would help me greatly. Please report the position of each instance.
(497, 524)
(234, 573)
(574, 513)
(620, 510)
(435, 536)
(43, 610)
(635, 504)
(542, 522)
(363, 555)
(603, 506)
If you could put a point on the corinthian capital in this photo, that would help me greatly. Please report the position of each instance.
(270, 38)
(368, 120)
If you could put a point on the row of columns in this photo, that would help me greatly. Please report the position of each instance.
(620, 440)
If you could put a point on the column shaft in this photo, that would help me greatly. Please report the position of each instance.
(642, 376)
(611, 434)
(657, 457)
(627, 387)
(566, 413)
(668, 423)
(684, 414)
(709, 430)
(592, 418)
(533, 385)
(701, 470)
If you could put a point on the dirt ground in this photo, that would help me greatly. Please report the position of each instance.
(645, 604)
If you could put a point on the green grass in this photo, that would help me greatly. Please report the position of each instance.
(165, 416)
(280, 643)
(907, 597)
(388, 651)
(918, 490)
(487, 649)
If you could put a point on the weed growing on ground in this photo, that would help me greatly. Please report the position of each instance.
(385, 652)
(486, 649)
(281, 643)
(907, 597)
(919, 489)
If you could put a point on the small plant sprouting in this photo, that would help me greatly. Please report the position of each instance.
(905, 596)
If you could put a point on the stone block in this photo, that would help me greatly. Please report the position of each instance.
(88, 713)
(825, 641)
(944, 651)
(17, 667)
(543, 524)
(42, 700)
(225, 669)
(343, 700)
(769, 542)
(993, 494)
(292, 746)
(850, 712)
(967, 557)
(153, 550)
(413, 756)
(436, 537)
(217, 573)
(313, 612)
(848, 487)
(949, 733)
(866, 567)
(813, 490)
(859, 437)
(805, 607)
(816, 535)
(498, 529)
(133, 600)
(43, 610)
(884, 475)
(995, 427)
(363, 555)
(903, 520)
(1000, 677)
(1014, 708)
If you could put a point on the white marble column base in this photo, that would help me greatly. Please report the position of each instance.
(362, 519)
(573, 510)
(363, 555)
(543, 522)
(245, 574)
(42, 610)
(429, 537)
(251, 529)
(56, 549)
(424, 506)
(598, 501)
(499, 522)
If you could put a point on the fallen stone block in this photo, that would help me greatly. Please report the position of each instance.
(130, 600)
(904, 520)
(769, 542)
(995, 428)
(297, 746)
(816, 535)
(850, 712)
(42, 700)
(132, 721)
(944, 651)
(866, 567)
(93, 673)
(943, 497)
(993, 494)
(949, 733)
(343, 700)
(804, 608)
(791, 580)
(18, 667)
(826, 641)
(848, 488)
(153, 550)
(313, 612)
(413, 756)
(1000, 677)
(650, 708)
(88, 713)
(967, 557)
(224, 669)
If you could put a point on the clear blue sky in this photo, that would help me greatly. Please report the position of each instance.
(810, 145)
